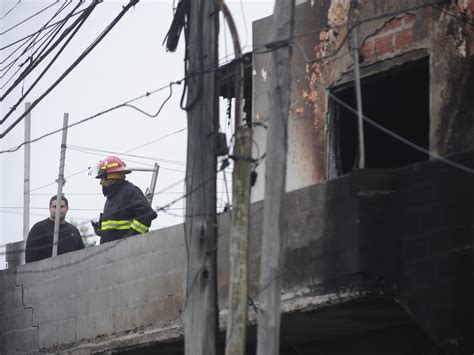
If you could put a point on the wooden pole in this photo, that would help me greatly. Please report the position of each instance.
(26, 174)
(240, 217)
(268, 331)
(61, 182)
(200, 316)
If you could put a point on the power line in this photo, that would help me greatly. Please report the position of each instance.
(71, 31)
(33, 41)
(52, 183)
(14, 149)
(69, 147)
(156, 140)
(164, 209)
(402, 139)
(87, 222)
(133, 161)
(48, 38)
(101, 194)
(161, 107)
(29, 18)
(96, 151)
(99, 154)
(10, 65)
(147, 94)
(40, 30)
(14, 6)
(69, 209)
(76, 62)
(463, 18)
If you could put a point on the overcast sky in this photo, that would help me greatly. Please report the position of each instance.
(129, 62)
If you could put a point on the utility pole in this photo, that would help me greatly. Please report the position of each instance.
(61, 182)
(268, 332)
(240, 217)
(200, 317)
(26, 174)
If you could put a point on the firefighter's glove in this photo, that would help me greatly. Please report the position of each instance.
(96, 227)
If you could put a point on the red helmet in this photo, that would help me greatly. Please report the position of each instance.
(111, 165)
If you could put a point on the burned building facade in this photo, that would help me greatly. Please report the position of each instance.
(413, 229)
(376, 261)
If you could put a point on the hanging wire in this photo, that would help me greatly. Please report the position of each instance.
(402, 139)
(29, 18)
(13, 8)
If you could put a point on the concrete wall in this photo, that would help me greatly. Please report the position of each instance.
(371, 236)
(130, 288)
(129, 293)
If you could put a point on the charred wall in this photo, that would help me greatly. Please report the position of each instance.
(390, 34)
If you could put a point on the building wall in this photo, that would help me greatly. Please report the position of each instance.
(127, 289)
(321, 61)
(364, 252)
(128, 293)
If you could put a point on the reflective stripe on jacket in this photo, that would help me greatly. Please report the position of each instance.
(126, 212)
(124, 224)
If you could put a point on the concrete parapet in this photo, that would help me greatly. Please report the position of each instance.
(353, 241)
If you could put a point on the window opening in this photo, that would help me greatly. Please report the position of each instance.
(397, 99)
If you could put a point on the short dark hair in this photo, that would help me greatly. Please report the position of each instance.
(55, 197)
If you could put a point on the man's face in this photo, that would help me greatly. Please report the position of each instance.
(62, 212)
(104, 181)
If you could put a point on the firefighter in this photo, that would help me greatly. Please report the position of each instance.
(126, 212)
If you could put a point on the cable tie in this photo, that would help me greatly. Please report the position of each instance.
(236, 157)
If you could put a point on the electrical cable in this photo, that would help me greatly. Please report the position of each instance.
(401, 139)
(32, 34)
(125, 207)
(38, 33)
(99, 154)
(14, 6)
(73, 28)
(14, 149)
(48, 38)
(245, 24)
(67, 177)
(10, 65)
(69, 209)
(156, 140)
(100, 193)
(69, 147)
(162, 105)
(129, 160)
(29, 18)
(74, 194)
(76, 62)
(85, 149)
(463, 18)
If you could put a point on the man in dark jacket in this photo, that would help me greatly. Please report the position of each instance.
(39, 244)
(127, 211)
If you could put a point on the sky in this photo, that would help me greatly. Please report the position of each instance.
(129, 62)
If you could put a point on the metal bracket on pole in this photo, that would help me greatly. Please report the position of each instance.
(150, 192)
